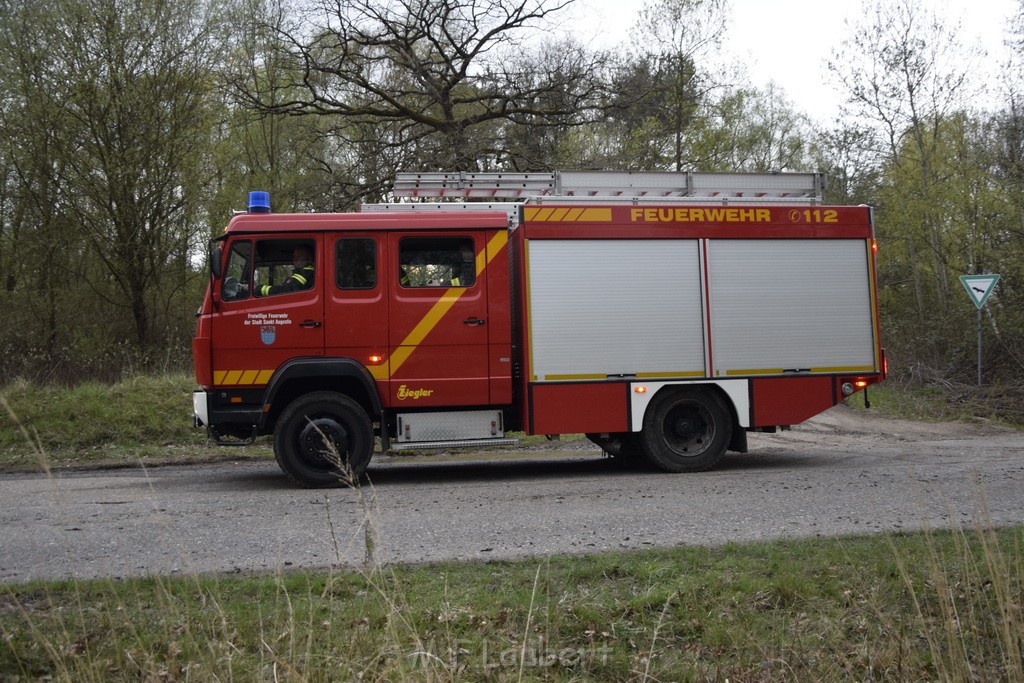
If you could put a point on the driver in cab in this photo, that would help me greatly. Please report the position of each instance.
(301, 277)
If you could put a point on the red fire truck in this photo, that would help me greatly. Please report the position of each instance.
(664, 315)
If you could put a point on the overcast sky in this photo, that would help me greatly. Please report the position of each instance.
(790, 41)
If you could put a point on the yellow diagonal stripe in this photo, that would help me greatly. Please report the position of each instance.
(424, 326)
(242, 377)
(429, 321)
(496, 244)
(567, 215)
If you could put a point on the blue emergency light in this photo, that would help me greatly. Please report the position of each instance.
(259, 202)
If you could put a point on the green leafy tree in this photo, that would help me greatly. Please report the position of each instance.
(137, 77)
(681, 34)
(254, 148)
(905, 72)
(845, 155)
(106, 120)
(660, 92)
(750, 129)
(39, 247)
(908, 83)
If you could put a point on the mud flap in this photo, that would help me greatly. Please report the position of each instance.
(738, 442)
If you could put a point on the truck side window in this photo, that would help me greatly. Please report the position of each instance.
(284, 266)
(437, 262)
(356, 263)
(235, 285)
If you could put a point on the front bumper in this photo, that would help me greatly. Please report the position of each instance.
(200, 408)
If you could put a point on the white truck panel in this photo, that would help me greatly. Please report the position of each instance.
(615, 307)
(789, 305)
(737, 391)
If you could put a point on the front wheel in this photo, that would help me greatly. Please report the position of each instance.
(686, 430)
(323, 439)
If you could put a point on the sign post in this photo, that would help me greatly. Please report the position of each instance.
(979, 287)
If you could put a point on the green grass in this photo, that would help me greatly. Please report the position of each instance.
(145, 418)
(1000, 404)
(908, 607)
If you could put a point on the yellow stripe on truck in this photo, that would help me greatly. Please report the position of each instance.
(597, 216)
(430, 320)
(378, 372)
(835, 370)
(242, 377)
(548, 215)
(874, 308)
(427, 323)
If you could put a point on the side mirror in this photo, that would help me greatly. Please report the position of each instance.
(215, 259)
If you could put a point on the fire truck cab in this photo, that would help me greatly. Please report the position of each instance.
(664, 326)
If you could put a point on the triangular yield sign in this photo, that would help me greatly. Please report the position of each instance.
(979, 287)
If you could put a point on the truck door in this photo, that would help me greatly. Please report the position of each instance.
(438, 346)
(271, 308)
(356, 324)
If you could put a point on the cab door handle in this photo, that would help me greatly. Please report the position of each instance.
(310, 323)
(473, 322)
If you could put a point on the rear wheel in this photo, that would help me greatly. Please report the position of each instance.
(323, 439)
(686, 430)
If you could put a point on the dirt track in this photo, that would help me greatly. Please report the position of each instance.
(843, 472)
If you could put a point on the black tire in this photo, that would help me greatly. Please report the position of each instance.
(686, 430)
(299, 440)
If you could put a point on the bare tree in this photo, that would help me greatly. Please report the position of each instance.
(443, 76)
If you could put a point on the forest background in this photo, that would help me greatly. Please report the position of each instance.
(131, 128)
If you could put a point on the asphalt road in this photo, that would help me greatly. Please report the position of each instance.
(843, 472)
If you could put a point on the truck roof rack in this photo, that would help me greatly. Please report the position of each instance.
(509, 191)
(792, 187)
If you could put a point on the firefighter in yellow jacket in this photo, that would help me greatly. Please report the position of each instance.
(302, 273)
(464, 274)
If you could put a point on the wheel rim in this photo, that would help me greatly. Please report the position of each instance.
(689, 429)
(315, 441)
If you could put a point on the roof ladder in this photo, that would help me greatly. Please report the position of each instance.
(792, 187)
